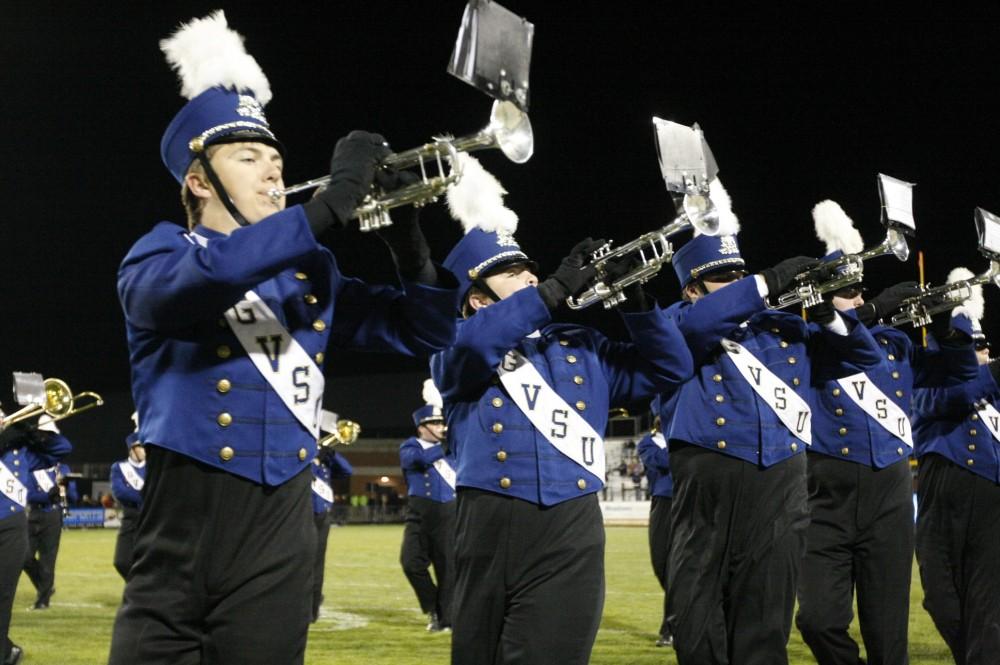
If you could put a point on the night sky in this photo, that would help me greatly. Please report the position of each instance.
(797, 107)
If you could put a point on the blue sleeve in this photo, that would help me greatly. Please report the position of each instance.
(339, 466)
(943, 365)
(957, 400)
(652, 456)
(167, 282)
(705, 322)
(835, 356)
(121, 490)
(413, 457)
(417, 320)
(46, 451)
(463, 369)
(657, 360)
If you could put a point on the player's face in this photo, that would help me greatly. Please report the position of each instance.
(848, 299)
(249, 171)
(435, 430)
(511, 279)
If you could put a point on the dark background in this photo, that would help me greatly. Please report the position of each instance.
(798, 105)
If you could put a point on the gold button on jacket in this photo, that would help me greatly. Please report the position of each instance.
(226, 453)
(223, 386)
(224, 419)
(505, 482)
(502, 456)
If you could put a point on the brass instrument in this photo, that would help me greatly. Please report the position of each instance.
(344, 433)
(920, 309)
(509, 130)
(652, 250)
(59, 403)
(834, 275)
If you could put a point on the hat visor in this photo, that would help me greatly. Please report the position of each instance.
(249, 136)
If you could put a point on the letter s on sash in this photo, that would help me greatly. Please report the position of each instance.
(561, 423)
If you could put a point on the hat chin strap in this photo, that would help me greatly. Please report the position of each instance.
(223, 194)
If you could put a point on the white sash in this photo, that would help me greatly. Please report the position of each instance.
(44, 480)
(132, 477)
(12, 488)
(863, 392)
(556, 420)
(279, 358)
(323, 489)
(792, 410)
(991, 418)
(660, 442)
(442, 466)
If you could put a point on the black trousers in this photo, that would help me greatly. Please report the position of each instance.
(44, 534)
(429, 539)
(860, 537)
(529, 587)
(222, 570)
(322, 523)
(958, 547)
(659, 548)
(738, 534)
(13, 548)
(125, 543)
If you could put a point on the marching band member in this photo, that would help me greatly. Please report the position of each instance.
(737, 433)
(227, 329)
(23, 450)
(45, 521)
(655, 456)
(327, 465)
(127, 479)
(526, 402)
(429, 535)
(860, 536)
(957, 432)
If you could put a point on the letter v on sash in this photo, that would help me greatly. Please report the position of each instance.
(531, 397)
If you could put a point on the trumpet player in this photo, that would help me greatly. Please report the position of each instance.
(429, 534)
(737, 433)
(24, 449)
(526, 402)
(860, 537)
(326, 466)
(228, 324)
(46, 504)
(957, 433)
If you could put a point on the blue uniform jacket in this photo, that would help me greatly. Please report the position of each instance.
(718, 409)
(496, 446)
(23, 460)
(422, 479)
(842, 429)
(324, 469)
(656, 461)
(121, 489)
(195, 388)
(947, 422)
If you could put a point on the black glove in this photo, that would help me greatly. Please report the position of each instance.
(781, 276)
(573, 274)
(352, 171)
(886, 302)
(822, 313)
(16, 435)
(405, 238)
(636, 299)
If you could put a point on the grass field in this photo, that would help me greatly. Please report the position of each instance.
(370, 614)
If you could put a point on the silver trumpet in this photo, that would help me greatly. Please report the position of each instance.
(652, 250)
(509, 130)
(842, 272)
(920, 309)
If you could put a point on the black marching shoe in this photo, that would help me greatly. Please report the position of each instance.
(15, 655)
(433, 623)
(665, 640)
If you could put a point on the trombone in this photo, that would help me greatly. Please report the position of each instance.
(60, 403)
(844, 271)
(509, 130)
(344, 433)
(919, 310)
(652, 250)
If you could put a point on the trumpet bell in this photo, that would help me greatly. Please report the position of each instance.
(701, 212)
(896, 242)
(58, 397)
(511, 128)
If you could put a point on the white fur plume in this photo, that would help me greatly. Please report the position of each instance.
(836, 229)
(976, 304)
(206, 53)
(477, 199)
(729, 223)
(431, 395)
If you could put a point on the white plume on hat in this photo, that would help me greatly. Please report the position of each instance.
(975, 306)
(206, 53)
(836, 229)
(431, 395)
(476, 200)
(729, 223)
